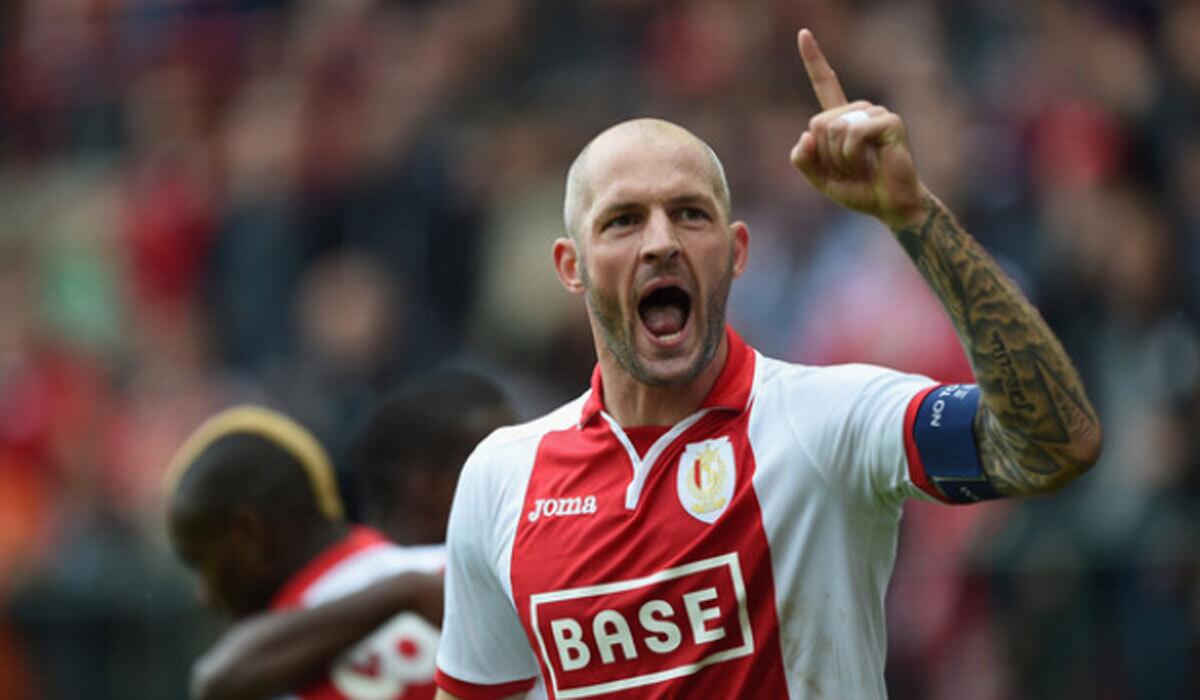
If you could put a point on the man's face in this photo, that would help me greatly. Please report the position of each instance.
(657, 255)
(227, 575)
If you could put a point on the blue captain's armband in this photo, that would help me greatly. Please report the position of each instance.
(939, 437)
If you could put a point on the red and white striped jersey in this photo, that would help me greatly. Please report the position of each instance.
(396, 662)
(743, 552)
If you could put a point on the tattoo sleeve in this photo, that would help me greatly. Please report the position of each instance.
(1035, 428)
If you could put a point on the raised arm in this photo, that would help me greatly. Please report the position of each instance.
(275, 653)
(1035, 428)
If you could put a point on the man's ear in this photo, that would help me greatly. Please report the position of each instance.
(741, 247)
(566, 264)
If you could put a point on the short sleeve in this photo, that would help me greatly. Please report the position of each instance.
(852, 418)
(874, 437)
(484, 652)
(884, 436)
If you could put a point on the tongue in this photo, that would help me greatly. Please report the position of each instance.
(663, 320)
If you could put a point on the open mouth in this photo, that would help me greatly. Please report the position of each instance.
(665, 311)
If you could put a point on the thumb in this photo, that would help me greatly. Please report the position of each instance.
(804, 157)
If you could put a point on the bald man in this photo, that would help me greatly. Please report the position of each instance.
(707, 522)
(254, 510)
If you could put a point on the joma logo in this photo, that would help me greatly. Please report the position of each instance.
(556, 507)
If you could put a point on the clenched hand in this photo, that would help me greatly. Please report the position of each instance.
(857, 153)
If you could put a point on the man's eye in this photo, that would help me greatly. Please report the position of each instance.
(619, 221)
(693, 214)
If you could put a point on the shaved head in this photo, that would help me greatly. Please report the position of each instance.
(652, 250)
(580, 190)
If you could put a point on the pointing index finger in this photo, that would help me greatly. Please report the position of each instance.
(824, 80)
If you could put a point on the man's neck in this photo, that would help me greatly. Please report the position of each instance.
(633, 403)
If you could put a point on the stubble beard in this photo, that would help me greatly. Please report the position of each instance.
(618, 332)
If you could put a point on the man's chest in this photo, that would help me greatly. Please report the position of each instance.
(633, 568)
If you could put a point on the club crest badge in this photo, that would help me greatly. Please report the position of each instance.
(706, 478)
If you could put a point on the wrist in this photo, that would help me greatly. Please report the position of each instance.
(914, 214)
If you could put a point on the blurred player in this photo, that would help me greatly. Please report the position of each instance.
(710, 523)
(409, 457)
(254, 510)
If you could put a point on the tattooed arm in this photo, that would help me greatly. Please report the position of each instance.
(1035, 429)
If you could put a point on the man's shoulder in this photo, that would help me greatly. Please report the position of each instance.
(814, 382)
(360, 560)
(427, 558)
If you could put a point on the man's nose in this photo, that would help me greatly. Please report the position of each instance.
(659, 242)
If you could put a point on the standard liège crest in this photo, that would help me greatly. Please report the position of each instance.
(706, 477)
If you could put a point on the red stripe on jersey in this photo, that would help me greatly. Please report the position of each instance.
(291, 594)
(734, 384)
(916, 468)
(653, 601)
(476, 691)
(643, 438)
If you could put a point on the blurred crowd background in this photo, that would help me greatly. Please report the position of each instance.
(303, 202)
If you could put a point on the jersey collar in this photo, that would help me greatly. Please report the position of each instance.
(291, 594)
(731, 391)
